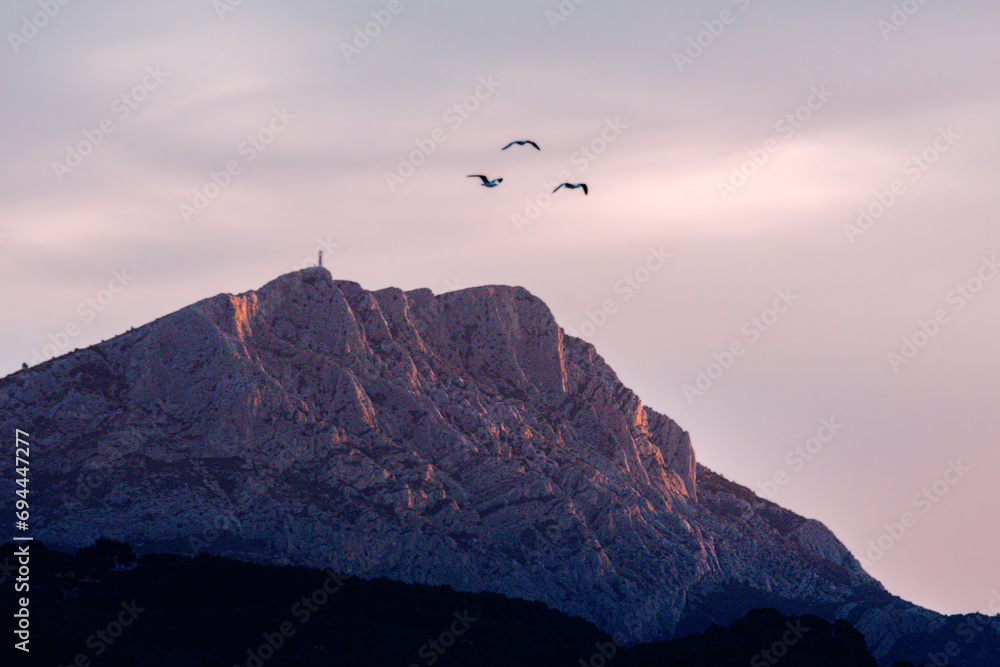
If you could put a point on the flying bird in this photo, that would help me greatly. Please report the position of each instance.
(573, 186)
(487, 183)
(521, 143)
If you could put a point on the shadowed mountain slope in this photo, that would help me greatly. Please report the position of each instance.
(458, 439)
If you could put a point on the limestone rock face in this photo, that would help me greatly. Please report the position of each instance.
(458, 439)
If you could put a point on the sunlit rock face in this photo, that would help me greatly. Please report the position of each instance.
(458, 439)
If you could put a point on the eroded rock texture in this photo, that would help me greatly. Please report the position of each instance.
(461, 439)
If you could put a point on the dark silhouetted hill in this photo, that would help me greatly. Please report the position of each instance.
(104, 606)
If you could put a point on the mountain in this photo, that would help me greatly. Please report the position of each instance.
(216, 620)
(459, 439)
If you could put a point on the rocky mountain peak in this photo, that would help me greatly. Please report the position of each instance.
(459, 439)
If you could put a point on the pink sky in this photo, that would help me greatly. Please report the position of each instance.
(820, 110)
